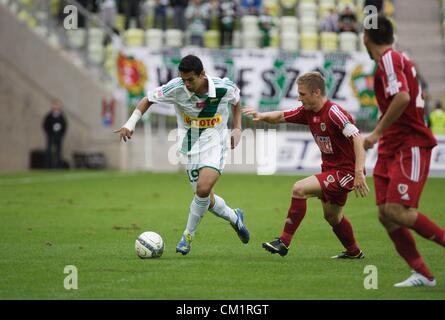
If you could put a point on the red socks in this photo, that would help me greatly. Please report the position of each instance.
(406, 247)
(344, 233)
(295, 214)
(428, 229)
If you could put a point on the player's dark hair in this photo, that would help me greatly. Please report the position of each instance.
(384, 33)
(191, 63)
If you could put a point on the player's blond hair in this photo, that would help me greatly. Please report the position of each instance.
(313, 81)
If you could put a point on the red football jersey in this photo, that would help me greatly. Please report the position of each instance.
(326, 125)
(395, 73)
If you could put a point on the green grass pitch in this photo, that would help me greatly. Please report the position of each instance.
(91, 219)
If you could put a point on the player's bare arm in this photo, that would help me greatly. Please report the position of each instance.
(360, 187)
(128, 128)
(395, 110)
(236, 125)
(269, 117)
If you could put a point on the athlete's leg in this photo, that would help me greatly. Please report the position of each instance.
(301, 191)
(342, 228)
(206, 179)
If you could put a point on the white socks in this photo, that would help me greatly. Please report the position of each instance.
(222, 210)
(198, 207)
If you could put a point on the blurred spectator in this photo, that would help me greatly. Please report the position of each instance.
(133, 11)
(197, 15)
(160, 16)
(179, 7)
(376, 3)
(347, 20)
(108, 12)
(330, 22)
(265, 23)
(54, 125)
(250, 7)
(437, 119)
(226, 17)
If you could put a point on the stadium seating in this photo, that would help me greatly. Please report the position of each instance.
(134, 37)
(212, 39)
(154, 38)
(76, 38)
(250, 39)
(288, 23)
(174, 38)
(309, 41)
(307, 9)
(328, 41)
(309, 24)
(348, 41)
(289, 41)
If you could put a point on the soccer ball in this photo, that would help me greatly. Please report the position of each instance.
(149, 245)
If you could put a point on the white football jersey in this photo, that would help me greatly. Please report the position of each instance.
(202, 120)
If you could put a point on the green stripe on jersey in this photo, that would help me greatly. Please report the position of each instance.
(209, 111)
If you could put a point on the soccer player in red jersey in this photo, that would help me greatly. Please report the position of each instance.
(404, 151)
(343, 161)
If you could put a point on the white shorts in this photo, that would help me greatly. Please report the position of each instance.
(212, 158)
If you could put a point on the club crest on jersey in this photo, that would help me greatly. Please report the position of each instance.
(330, 178)
(323, 126)
(201, 104)
(402, 188)
(158, 93)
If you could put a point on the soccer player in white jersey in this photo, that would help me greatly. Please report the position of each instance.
(202, 110)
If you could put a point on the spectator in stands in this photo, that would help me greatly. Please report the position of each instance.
(160, 16)
(108, 12)
(54, 125)
(226, 16)
(437, 119)
(347, 20)
(376, 3)
(197, 15)
(179, 7)
(133, 11)
(330, 22)
(265, 23)
(250, 7)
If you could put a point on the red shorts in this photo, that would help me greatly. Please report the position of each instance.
(335, 184)
(400, 179)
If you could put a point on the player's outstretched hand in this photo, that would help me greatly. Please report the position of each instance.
(249, 111)
(124, 133)
(235, 137)
(360, 187)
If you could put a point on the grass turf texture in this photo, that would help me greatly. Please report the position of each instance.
(91, 220)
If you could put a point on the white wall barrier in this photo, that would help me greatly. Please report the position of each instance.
(297, 152)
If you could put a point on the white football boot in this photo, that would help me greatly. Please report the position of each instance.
(416, 280)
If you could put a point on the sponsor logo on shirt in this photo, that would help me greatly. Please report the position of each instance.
(202, 122)
(324, 143)
(316, 119)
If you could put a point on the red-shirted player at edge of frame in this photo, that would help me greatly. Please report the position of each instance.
(404, 151)
(343, 162)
